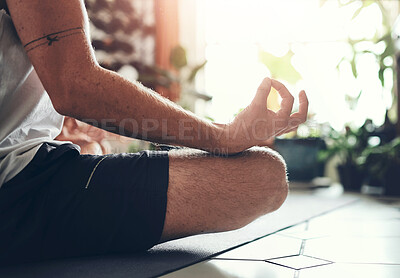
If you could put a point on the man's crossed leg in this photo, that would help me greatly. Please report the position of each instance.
(213, 194)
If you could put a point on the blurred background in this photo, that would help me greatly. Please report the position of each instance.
(210, 56)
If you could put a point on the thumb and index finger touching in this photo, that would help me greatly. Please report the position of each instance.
(287, 99)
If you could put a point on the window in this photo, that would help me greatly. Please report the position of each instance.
(316, 32)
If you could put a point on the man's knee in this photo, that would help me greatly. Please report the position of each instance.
(273, 176)
(266, 188)
(218, 194)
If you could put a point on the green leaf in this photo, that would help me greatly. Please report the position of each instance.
(209, 118)
(280, 67)
(353, 101)
(340, 62)
(389, 50)
(385, 38)
(381, 75)
(178, 57)
(194, 72)
(357, 12)
(237, 113)
(354, 66)
(365, 3)
(322, 2)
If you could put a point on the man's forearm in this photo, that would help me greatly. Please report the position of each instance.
(107, 100)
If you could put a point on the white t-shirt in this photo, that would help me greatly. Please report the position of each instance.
(27, 116)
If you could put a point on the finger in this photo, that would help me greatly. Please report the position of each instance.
(297, 118)
(303, 107)
(287, 98)
(287, 130)
(263, 92)
(301, 116)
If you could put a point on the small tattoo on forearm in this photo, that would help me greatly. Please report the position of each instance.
(52, 38)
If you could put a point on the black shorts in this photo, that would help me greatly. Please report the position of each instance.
(64, 204)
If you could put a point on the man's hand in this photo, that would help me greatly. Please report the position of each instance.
(90, 139)
(256, 123)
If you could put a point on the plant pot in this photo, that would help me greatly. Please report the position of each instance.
(391, 183)
(351, 177)
(301, 156)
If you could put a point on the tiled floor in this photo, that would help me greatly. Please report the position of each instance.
(360, 240)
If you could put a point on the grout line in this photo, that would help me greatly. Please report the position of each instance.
(212, 257)
(308, 238)
(298, 269)
(256, 239)
(282, 265)
(231, 259)
(369, 263)
(313, 266)
(359, 236)
(302, 247)
(312, 257)
(282, 257)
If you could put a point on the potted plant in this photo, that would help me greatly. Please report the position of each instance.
(348, 146)
(383, 166)
(301, 156)
(181, 79)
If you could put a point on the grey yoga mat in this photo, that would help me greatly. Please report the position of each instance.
(173, 255)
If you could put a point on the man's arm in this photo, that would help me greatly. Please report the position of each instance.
(55, 36)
